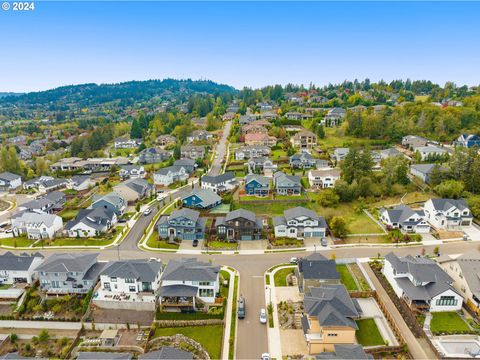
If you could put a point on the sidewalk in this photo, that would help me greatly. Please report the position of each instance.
(229, 314)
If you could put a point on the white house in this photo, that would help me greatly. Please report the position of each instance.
(448, 213)
(36, 225)
(429, 151)
(404, 218)
(300, 223)
(132, 172)
(18, 268)
(186, 281)
(91, 222)
(129, 284)
(219, 183)
(9, 181)
(80, 183)
(126, 143)
(421, 283)
(323, 179)
(169, 175)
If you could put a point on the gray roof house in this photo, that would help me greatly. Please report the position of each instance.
(424, 171)
(36, 225)
(220, 183)
(80, 183)
(167, 353)
(302, 160)
(316, 270)
(257, 185)
(201, 199)
(193, 151)
(246, 152)
(91, 222)
(18, 268)
(189, 164)
(111, 201)
(153, 155)
(422, 283)
(448, 213)
(339, 154)
(69, 273)
(238, 225)
(345, 352)
(9, 181)
(133, 190)
(183, 224)
(287, 184)
(169, 175)
(299, 223)
(187, 280)
(404, 218)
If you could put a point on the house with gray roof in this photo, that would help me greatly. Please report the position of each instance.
(186, 282)
(302, 160)
(201, 199)
(316, 270)
(153, 155)
(299, 223)
(219, 183)
(404, 218)
(193, 152)
(91, 222)
(421, 283)
(167, 353)
(132, 171)
(72, 273)
(133, 190)
(247, 152)
(257, 185)
(169, 175)
(424, 171)
(390, 152)
(413, 141)
(190, 165)
(9, 181)
(36, 225)
(339, 154)
(238, 225)
(80, 183)
(18, 268)
(448, 213)
(111, 201)
(40, 205)
(345, 352)
(51, 185)
(259, 164)
(287, 184)
(183, 224)
(97, 355)
(328, 310)
(129, 285)
(126, 143)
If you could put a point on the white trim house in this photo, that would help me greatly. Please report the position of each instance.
(448, 213)
(300, 223)
(404, 218)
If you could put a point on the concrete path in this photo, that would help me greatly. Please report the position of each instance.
(416, 349)
(229, 315)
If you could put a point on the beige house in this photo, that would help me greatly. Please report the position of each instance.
(255, 139)
(304, 140)
(329, 318)
(465, 272)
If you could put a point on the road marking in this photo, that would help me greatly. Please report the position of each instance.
(257, 276)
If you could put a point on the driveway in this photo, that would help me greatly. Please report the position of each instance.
(473, 232)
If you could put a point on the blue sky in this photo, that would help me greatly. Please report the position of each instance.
(238, 43)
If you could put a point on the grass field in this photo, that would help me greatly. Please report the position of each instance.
(154, 242)
(221, 245)
(336, 137)
(209, 336)
(20, 241)
(80, 242)
(368, 333)
(346, 277)
(280, 277)
(447, 322)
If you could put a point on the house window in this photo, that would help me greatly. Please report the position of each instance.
(131, 288)
(205, 283)
(129, 281)
(113, 279)
(206, 293)
(292, 231)
(332, 334)
(446, 301)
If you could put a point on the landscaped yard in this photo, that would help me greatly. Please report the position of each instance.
(20, 241)
(216, 244)
(279, 242)
(154, 242)
(368, 333)
(449, 321)
(68, 214)
(78, 242)
(280, 277)
(209, 336)
(346, 277)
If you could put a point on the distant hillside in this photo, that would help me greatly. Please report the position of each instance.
(128, 92)
(4, 94)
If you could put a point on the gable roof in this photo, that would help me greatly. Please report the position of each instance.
(28, 217)
(446, 204)
(219, 178)
(63, 262)
(9, 176)
(112, 198)
(190, 269)
(207, 196)
(10, 261)
(318, 267)
(241, 213)
(184, 162)
(283, 179)
(345, 352)
(167, 353)
(168, 169)
(141, 270)
(96, 218)
(186, 213)
(298, 211)
(263, 180)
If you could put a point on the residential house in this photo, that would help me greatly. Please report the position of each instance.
(129, 285)
(427, 152)
(259, 164)
(90, 164)
(334, 117)
(37, 182)
(465, 272)
(167, 353)
(239, 225)
(193, 151)
(72, 273)
(467, 141)
(18, 268)
(202, 199)
(257, 185)
(265, 106)
(132, 172)
(246, 119)
(339, 154)
(188, 281)
(413, 141)
(91, 222)
(9, 181)
(199, 135)
(323, 179)
(254, 129)
(404, 218)
(80, 183)
(259, 139)
(126, 143)
(303, 160)
(390, 152)
(345, 352)
(228, 117)
(189, 164)
(153, 155)
(293, 115)
(36, 225)
(447, 213)
(247, 152)
(169, 175)
(111, 201)
(40, 205)
(268, 115)
(424, 171)
(133, 190)
(104, 355)
(421, 283)
(287, 184)
(299, 223)
(183, 224)
(304, 140)
(220, 183)
(166, 140)
(329, 318)
(314, 271)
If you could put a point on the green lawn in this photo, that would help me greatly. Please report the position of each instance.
(280, 277)
(154, 242)
(447, 322)
(168, 315)
(222, 245)
(20, 241)
(224, 275)
(68, 214)
(346, 277)
(5, 286)
(368, 333)
(277, 154)
(209, 336)
(79, 242)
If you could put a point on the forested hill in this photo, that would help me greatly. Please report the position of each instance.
(126, 92)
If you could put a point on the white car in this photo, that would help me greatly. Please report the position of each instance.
(160, 197)
(147, 212)
(265, 356)
(263, 316)
(294, 260)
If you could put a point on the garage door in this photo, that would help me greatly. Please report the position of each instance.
(246, 237)
(188, 236)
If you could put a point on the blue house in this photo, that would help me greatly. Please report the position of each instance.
(257, 185)
(468, 140)
(111, 201)
(183, 224)
(202, 199)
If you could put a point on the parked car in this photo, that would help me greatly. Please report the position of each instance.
(195, 243)
(263, 316)
(147, 212)
(294, 260)
(241, 308)
(265, 356)
(324, 242)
